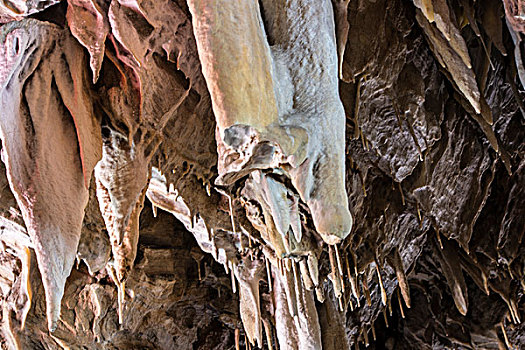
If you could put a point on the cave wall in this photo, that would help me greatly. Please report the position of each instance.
(135, 216)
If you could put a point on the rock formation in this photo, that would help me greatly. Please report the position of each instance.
(281, 174)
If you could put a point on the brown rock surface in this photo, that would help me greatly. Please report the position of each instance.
(199, 161)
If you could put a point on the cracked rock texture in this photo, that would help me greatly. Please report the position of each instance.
(281, 174)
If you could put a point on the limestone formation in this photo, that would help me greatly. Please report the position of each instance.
(281, 174)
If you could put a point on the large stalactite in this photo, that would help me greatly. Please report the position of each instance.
(282, 174)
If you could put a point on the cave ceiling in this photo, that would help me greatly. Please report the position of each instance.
(281, 174)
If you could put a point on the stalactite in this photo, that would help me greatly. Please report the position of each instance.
(50, 123)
